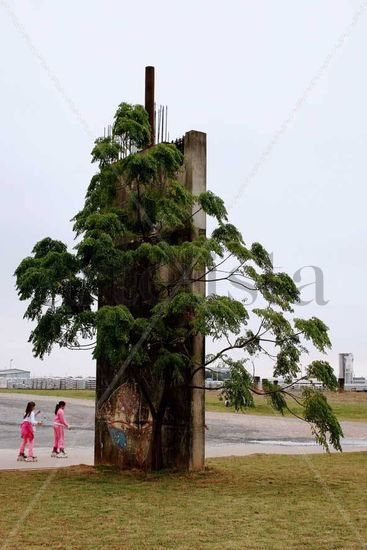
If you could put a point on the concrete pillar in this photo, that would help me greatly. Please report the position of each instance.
(183, 439)
(194, 178)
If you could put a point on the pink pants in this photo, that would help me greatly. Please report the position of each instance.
(58, 437)
(27, 438)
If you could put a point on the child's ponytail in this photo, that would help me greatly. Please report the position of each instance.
(29, 408)
(60, 404)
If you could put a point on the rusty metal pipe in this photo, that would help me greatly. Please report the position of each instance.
(149, 100)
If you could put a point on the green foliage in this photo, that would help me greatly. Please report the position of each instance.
(168, 158)
(109, 223)
(277, 288)
(227, 233)
(172, 209)
(42, 248)
(231, 240)
(324, 423)
(261, 257)
(197, 255)
(147, 167)
(100, 258)
(132, 124)
(219, 316)
(172, 364)
(113, 328)
(142, 168)
(275, 321)
(47, 331)
(213, 206)
(315, 330)
(321, 370)
(41, 277)
(237, 388)
(275, 398)
(182, 304)
(105, 151)
(100, 196)
(250, 342)
(288, 362)
(140, 257)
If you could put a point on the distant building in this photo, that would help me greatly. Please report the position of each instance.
(299, 386)
(346, 372)
(346, 367)
(359, 383)
(14, 373)
(359, 380)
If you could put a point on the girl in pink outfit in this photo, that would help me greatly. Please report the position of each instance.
(27, 429)
(59, 425)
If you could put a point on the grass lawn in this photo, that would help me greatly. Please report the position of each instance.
(348, 405)
(80, 394)
(257, 502)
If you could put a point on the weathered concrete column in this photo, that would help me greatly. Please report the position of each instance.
(124, 423)
(194, 178)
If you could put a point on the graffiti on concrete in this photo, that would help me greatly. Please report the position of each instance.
(129, 421)
(118, 437)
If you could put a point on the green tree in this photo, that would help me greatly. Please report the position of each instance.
(126, 290)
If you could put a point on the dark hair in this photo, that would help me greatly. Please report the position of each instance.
(60, 404)
(29, 408)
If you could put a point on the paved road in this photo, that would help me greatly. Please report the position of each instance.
(78, 412)
(240, 434)
(227, 434)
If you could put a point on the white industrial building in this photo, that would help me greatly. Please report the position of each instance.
(14, 373)
(346, 367)
(346, 373)
(9, 375)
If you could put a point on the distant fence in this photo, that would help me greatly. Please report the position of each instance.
(49, 383)
(357, 386)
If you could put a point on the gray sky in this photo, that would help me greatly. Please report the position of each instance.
(280, 88)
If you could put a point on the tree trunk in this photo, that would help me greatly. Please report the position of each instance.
(156, 454)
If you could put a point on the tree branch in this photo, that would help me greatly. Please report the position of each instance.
(223, 279)
(140, 380)
(214, 267)
(296, 415)
(77, 348)
(219, 354)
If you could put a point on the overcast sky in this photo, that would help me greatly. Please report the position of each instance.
(279, 87)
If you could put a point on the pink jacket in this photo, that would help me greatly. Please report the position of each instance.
(59, 419)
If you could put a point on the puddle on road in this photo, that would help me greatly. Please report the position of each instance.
(305, 443)
(281, 442)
